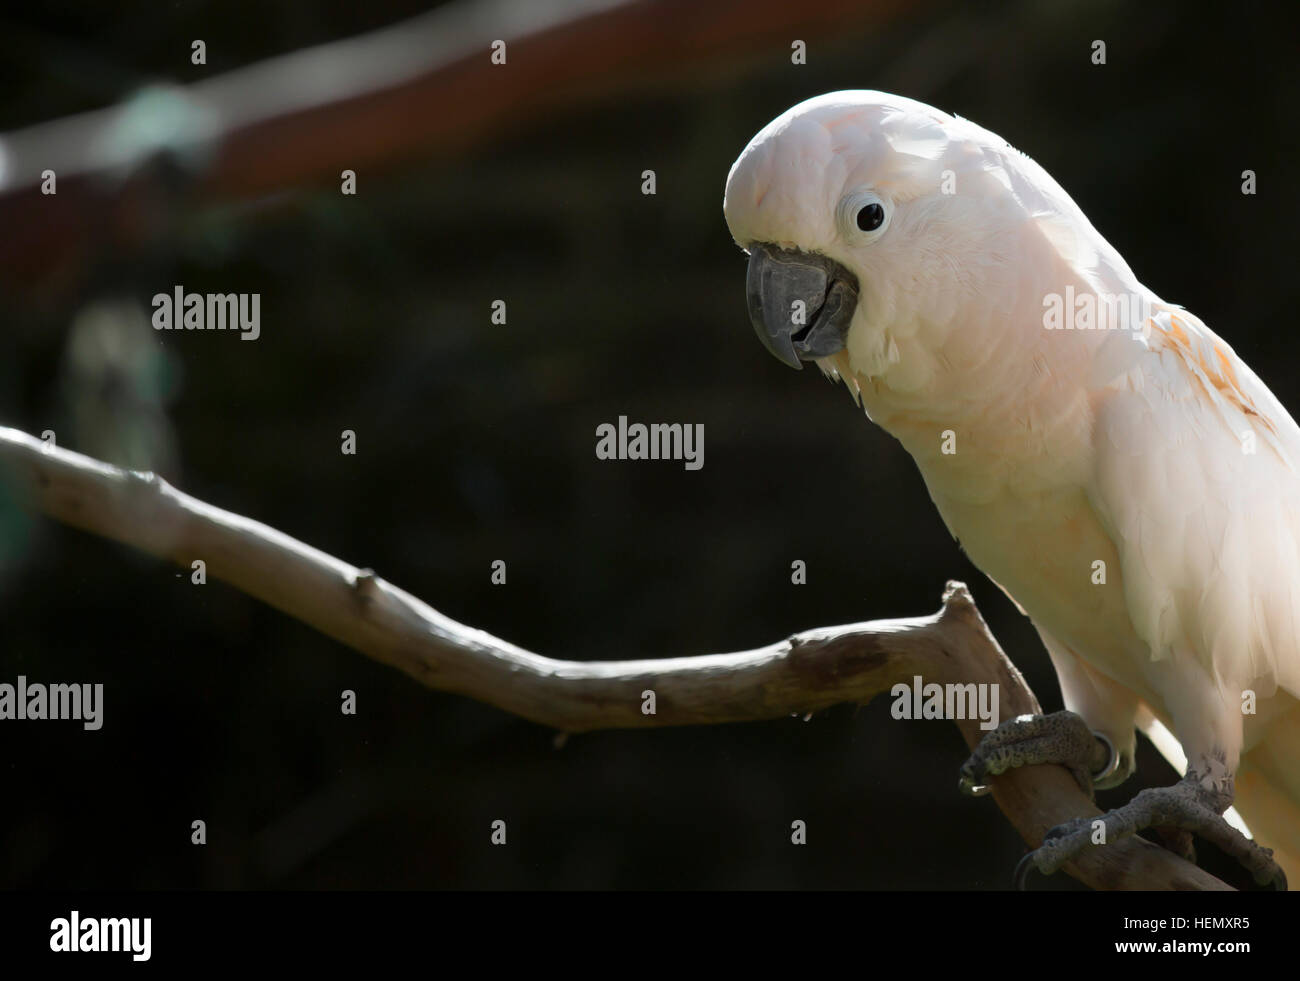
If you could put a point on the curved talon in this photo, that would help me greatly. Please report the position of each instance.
(1020, 877)
(1112, 761)
(970, 788)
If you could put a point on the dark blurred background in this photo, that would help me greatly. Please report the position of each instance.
(476, 443)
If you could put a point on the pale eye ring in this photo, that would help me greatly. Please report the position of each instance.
(864, 215)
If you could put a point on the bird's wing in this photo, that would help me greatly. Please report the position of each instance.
(1196, 477)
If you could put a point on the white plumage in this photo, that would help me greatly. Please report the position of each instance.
(1149, 447)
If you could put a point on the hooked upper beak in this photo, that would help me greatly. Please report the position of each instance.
(800, 303)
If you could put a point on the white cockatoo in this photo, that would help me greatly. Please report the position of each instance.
(1099, 453)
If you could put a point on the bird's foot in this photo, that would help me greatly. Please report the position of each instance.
(1187, 806)
(1061, 737)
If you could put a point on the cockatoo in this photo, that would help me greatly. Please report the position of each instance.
(1100, 454)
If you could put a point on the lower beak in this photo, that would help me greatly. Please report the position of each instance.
(800, 303)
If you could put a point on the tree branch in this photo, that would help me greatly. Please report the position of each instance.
(811, 670)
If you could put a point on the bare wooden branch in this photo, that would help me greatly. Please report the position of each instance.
(811, 670)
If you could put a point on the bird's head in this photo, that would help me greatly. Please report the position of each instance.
(877, 225)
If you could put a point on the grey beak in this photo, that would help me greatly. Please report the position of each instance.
(800, 303)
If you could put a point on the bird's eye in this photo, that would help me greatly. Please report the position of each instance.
(871, 217)
(863, 216)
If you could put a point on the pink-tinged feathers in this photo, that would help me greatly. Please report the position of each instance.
(1148, 450)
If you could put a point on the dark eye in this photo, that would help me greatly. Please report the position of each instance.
(871, 217)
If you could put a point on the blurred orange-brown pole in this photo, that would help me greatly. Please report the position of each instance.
(425, 85)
